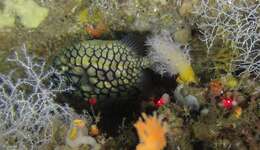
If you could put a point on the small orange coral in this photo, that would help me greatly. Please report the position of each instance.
(151, 132)
(96, 31)
(237, 112)
(215, 88)
(93, 130)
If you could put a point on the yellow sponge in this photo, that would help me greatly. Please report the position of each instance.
(30, 13)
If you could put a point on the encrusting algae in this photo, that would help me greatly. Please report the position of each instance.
(30, 13)
(151, 132)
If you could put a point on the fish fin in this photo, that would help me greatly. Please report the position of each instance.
(136, 43)
(145, 83)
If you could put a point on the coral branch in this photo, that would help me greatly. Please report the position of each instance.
(27, 106)
(234, 22)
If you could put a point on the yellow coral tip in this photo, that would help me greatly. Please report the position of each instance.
(186, 76)
(73, 134)
(79, 123)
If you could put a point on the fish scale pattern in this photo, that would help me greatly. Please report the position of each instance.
(102, 69)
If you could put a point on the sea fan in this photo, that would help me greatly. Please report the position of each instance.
(27, 106)
(236, 23)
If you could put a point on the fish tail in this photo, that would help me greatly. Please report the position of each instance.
(146, 62)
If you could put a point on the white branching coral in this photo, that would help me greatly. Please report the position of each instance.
(250, 62)
(27, 106)
(235, 22)
(167, 56)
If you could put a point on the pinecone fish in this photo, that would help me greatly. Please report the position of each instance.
(102, 68)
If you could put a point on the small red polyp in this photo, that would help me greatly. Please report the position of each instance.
(92, 101)
(159, 103)
(227, 103)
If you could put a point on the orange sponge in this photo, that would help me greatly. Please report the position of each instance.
(151, 132)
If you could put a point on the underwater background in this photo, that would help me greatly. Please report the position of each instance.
(129, 74)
